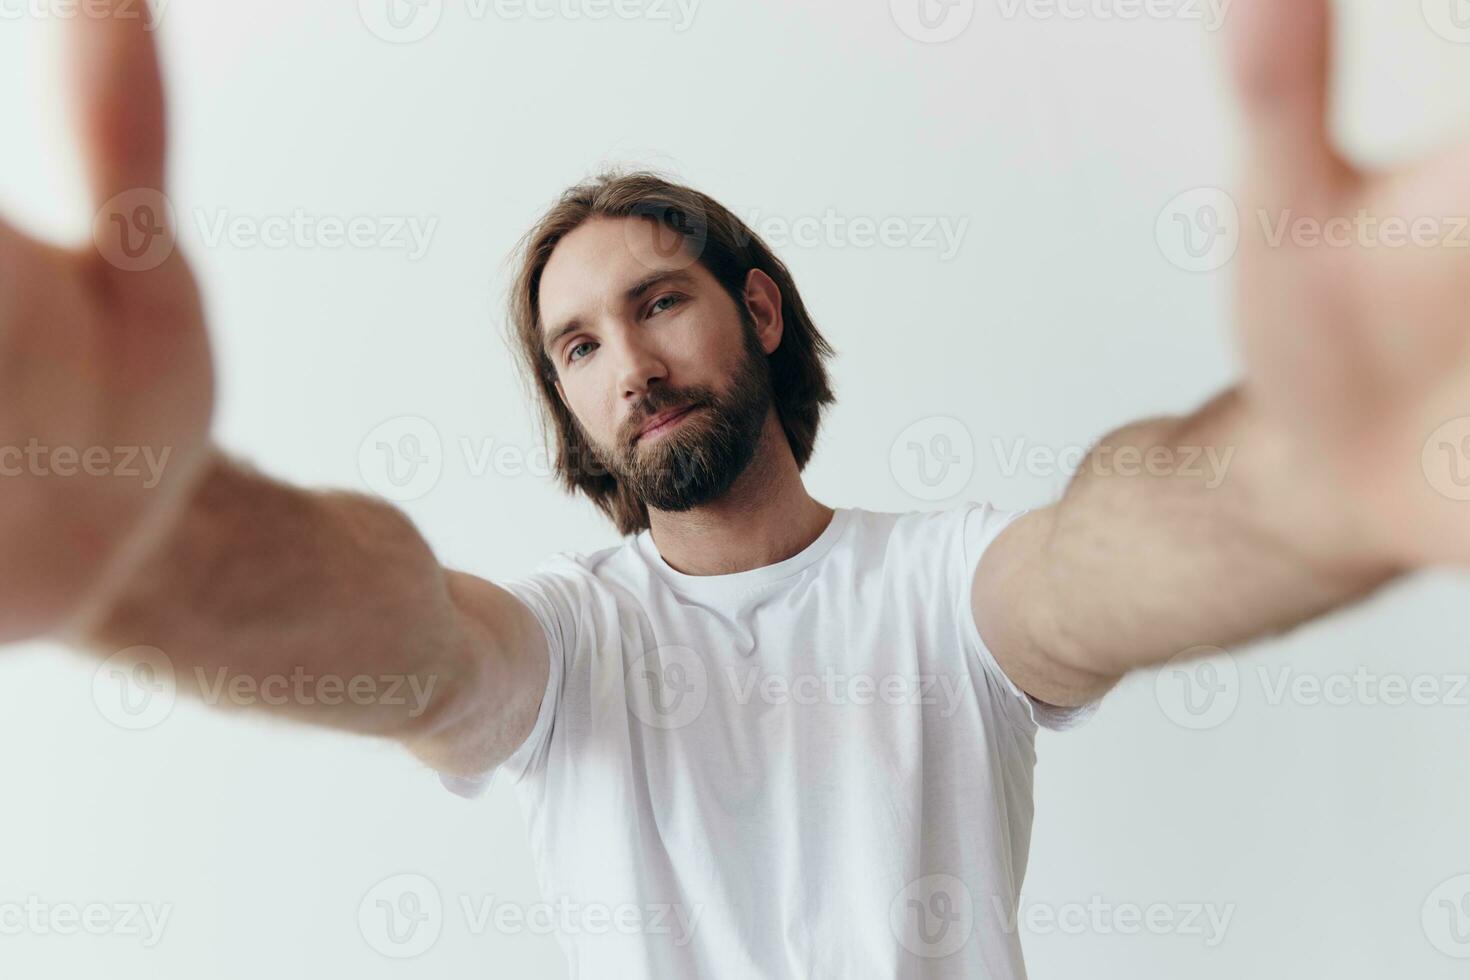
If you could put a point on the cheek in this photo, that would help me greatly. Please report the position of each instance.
(593, 404)
(704, 353)
(707, 342)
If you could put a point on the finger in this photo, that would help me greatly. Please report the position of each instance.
(117, 92)
(1280, 51)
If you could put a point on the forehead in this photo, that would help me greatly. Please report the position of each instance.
(594, 266)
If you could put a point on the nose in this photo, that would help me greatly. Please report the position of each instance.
(639, 366)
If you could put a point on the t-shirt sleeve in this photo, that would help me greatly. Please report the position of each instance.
(550, 595)
(982, 524)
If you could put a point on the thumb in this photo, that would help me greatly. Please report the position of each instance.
(1280, 51)
(117, 95)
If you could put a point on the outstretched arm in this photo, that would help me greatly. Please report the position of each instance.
(243, 583)
(1345, 438)
(1176, 533)
(328, 607)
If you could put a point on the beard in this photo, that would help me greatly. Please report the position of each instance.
(705, 453)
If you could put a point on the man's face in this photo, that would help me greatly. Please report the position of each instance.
(635, 329)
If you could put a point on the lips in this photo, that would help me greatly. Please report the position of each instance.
(663, 417)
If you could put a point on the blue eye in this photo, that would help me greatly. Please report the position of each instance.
(673, 299)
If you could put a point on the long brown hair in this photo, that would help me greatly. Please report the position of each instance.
(729, 250)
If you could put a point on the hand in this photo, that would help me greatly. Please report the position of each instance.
(106, 383)
(1356, 343)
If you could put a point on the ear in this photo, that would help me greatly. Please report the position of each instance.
(562, 392)
(763, 299)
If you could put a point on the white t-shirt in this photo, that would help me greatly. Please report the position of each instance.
(810, 769)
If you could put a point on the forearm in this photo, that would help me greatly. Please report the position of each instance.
(324, 606)
(1141, 561)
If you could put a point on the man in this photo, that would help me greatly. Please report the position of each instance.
(803, 732)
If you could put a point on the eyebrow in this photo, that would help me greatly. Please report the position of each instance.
(632, 293)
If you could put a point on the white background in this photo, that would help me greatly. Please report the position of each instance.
(1323, 828)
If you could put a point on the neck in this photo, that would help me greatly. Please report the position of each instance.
(765, 517)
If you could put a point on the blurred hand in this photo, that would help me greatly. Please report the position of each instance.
(106, 384)
(1356, 335)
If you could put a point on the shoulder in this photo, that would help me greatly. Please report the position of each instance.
(968, 525)
(586, 566)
